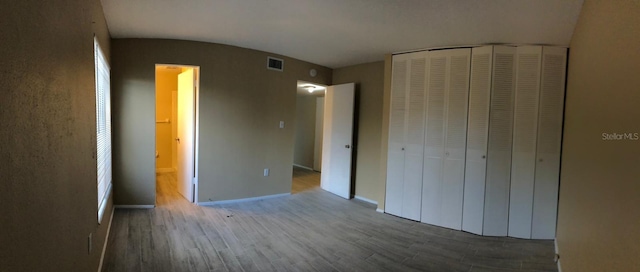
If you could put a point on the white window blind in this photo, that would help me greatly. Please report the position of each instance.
(103, 125)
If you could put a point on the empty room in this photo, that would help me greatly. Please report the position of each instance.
(214, 135)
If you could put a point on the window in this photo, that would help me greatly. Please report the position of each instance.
(103, 125)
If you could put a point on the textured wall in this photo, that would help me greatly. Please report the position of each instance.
(369, 79)
(241, 104)
(599, 209)
(48, 192)
(305, 133)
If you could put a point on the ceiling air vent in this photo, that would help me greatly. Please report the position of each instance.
(275, 64)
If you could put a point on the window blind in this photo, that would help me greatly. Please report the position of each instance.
(103, 127)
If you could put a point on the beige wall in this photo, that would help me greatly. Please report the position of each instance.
(369, 97)
(241, 104)
(48, 191)
(166, 84)
(303, 152)
(599, 209)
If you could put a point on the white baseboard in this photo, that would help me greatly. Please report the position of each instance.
(106, 240)
(303, 167)
(165, 170)
(209, 203)
(365, 199)
(134, 206)
(555, 243)
(379, 210)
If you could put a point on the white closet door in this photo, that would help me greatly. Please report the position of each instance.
(478, 128)
(545, 198)
(413, 161)
(395, 161)
(434, 138)
(457, 105)
(498, 178)
(496, 204)
(525, 128)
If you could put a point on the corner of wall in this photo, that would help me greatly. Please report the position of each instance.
(384, 139)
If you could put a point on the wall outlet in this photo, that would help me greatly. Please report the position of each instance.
(266, 172)
(281, 124)
(90, 243)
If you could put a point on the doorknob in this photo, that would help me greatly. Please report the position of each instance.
(178, 140)
(347, 146)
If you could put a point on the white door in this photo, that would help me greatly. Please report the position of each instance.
(185, 140)
(545, 197)
(445, 137)
(525, 130)
(396, 148)
(456, 138)
(337, 139)
(496, 204)
(434, 139)
(477, 133)
(414, 151)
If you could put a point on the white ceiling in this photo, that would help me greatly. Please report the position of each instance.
(337, 33)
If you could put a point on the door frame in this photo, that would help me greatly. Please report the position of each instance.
(196, 110)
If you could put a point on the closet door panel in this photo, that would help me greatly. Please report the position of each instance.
(412, 200)
(396, 157)
(525, 128)
(477, 130)
(498, 177)
(434, 139)
(456, 138)
(545, 198)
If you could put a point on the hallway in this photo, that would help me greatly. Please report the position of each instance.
(304, 180)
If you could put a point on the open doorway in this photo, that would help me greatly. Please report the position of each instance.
(176, 132)
(335, 155)
(307, 154)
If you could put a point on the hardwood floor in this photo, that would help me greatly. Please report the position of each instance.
(304, 180)
(309, 231)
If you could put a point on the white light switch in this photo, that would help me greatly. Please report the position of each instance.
(281, 124)
(266, 172)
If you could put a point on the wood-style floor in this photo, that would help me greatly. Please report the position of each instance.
(309, 231)
(304, 180)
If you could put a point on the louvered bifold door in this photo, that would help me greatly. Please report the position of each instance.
(397, 112)
(456, 138)
(434, 138)
(414, 148)
(445, 137)
(525, 131)
(545, 197)
(498, 177)
(478, 128)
